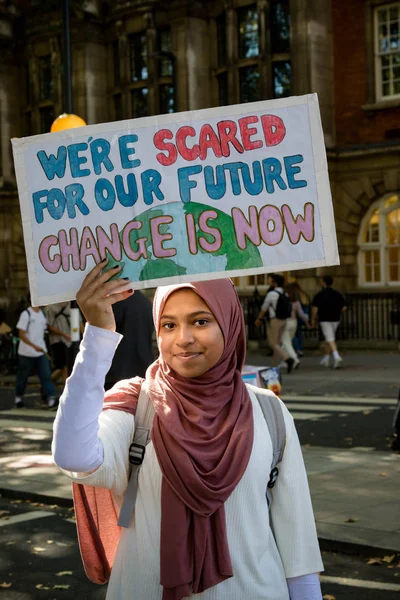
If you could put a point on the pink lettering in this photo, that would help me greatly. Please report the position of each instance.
(299, 226)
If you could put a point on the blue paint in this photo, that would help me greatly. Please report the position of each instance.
(151, 180)
(255, 186)
(56, 203)
(38, 205)
(75, 161)
(292, 170)
(74, 194)
(53, 165)
(125, 152)
(126, 198)
(100, 149)
(233, 169)
(104, 194)
(185, 184)
(272, 172)
(215, 189)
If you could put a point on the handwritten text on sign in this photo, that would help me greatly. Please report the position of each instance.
(176, 198)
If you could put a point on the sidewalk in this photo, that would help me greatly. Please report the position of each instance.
(354, 491)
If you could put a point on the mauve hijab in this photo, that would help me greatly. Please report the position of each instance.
(203, 437)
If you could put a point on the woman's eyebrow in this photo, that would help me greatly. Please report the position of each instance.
(191, 315)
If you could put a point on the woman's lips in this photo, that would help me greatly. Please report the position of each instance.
(187, 356)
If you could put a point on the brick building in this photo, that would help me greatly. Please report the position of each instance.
(132, 58)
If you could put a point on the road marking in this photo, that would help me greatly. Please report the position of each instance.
(329, 407)
(28, 516)
(360, 583)
(303, 416)
(340, 400)
(315, 408)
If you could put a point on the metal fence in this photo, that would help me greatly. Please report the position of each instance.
(369, 317)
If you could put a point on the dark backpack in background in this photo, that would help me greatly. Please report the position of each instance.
(283, 306)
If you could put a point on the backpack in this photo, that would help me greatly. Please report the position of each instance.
(273, 415)
(283, 306)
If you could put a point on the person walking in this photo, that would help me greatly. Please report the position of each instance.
(291, 323)
(59, 316)
(32, 354)
(276, 307)
(201, 527)
(327, 307)
(134, 321)
(298, 340)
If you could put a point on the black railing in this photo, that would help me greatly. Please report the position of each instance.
(370, 317)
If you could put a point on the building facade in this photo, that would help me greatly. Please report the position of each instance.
(142, 57)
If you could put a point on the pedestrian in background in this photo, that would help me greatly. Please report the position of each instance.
(59, 316)
(277, 308)
(201, 525)
(298, 340)
(291, 323)
(32, 354)
(328, 306)
(134, 320)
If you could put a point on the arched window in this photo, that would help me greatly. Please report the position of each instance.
(379, 244)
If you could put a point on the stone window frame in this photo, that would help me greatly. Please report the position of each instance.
(123, 87)
(141, 83)
(37, 105)
(374, 102)
(379, 246)
(264, 61)
(378, 57)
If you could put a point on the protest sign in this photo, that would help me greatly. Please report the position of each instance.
(199, 195)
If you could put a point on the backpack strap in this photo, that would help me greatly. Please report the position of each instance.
(61, 312)
(29, 320)
(143, 423)
(273, 415)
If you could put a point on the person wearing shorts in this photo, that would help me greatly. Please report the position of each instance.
(327, 307)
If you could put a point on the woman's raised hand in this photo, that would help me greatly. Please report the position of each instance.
(97, 294)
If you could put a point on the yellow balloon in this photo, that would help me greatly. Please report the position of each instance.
(66, 121)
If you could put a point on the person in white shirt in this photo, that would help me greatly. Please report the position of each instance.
(275, 325)
(32, 355)
(201, 527)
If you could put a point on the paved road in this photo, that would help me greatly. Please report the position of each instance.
(336, 422)
(339, 422)
(39, 541)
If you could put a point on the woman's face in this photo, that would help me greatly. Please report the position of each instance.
(189, 337)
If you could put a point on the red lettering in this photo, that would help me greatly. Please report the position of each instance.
(209, 139)
(184, 151)
(274, 129)
(246, 132)
(159, 143)
(227, 133)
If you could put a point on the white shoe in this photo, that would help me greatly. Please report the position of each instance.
(338, 363)
(325, 361)
(51, 402)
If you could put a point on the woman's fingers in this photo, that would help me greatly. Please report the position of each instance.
(95, 280)
(117, 297)
(94, 273)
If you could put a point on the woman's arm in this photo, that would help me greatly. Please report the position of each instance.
(76, 445)
(300, 312)
(305, 587)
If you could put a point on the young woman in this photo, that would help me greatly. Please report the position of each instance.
(201, 526)
(291, 324)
